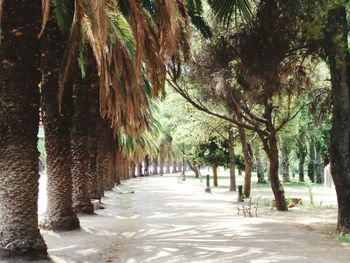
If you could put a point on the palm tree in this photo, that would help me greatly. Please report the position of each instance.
(19, 109)
(57, 126)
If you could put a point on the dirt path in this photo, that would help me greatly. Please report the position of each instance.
(165, 221)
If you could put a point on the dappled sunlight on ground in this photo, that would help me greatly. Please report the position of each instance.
(166, 221)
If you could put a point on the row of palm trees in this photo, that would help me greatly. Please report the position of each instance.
(121, 48)
(94, 71)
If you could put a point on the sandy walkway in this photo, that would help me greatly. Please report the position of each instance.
(164, 221)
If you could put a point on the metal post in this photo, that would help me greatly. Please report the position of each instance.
(207, 188)
(183, 162)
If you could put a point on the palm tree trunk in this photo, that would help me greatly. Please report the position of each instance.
(146, 172)
(60, 215)
(19, 109)
(167, 167)
(132, 170)
(155, 166)
(139, 169)
(80, 150)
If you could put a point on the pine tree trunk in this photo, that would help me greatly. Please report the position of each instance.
(80, 150)
(247, 161)
(318, 164)
(339, 63)
(311, 161)
(302, 156)
(57, 124)
(232, 162)
(214, 167)
(285, 164)
(19, 109)
(260, 171)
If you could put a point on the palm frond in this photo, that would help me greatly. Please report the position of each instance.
(227, 10)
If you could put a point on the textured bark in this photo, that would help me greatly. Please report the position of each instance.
(57, 125)
(248, 161)
(109, 177)
(232, 160)
(214, 167)
(80, 149)
(92, 145)
(339, 62)
(132, 167)
(101, 159)
(285, 164)
(155, 166)
(271, 149)
(19, 109)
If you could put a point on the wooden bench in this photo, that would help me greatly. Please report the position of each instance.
(249, 208)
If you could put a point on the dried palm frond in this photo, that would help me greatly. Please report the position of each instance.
(72, 48)
(45, 6)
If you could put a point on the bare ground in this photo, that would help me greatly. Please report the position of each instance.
(165, 220)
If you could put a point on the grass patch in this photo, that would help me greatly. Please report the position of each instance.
(344, 238)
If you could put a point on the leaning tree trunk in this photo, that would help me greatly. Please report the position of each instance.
(19, 109)
(80, 149)
(271, 149)
(214, 167)
(248, 161)
(232, 158)
(57, 124)
(270, 146)
(339, 62)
